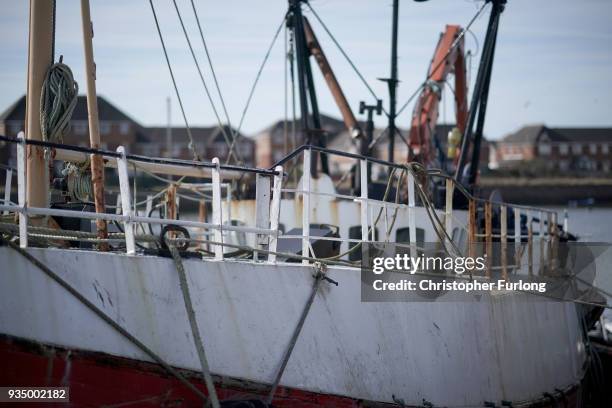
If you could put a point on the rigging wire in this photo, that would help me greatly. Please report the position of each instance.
(448, 53)
(348, 59)
(196, 156)
(212, 70)
(210, 99)
(254, 86)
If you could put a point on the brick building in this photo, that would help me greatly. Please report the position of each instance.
(117, 128)
(556, 149)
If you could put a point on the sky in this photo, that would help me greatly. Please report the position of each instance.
(552, 63)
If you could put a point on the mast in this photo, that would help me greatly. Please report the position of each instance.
(479, 100)
(97, 164)
(311, 124)
(40, 58)
(392, 82)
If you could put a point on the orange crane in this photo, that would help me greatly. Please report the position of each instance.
(449, 57)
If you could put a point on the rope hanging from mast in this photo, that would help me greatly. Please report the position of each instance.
(57, 102)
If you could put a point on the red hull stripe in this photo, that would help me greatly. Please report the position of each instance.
(97, 379)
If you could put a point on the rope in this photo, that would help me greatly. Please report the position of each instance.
(448, 53)
(57, 102)
(250, 97)
(210, 64)
(81, 298)
(320, 274)
(345, 55)
(195, 331)
(191, 145)
(210, 99)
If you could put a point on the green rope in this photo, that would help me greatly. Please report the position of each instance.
(57, 102)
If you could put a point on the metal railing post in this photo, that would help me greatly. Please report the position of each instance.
(216, 209)
(7, 188)
(488, 236)
(363, 172)
(517, 238)
(503, 221)
(411, 214)
(262, 211)
(21, 191)
(529, 241)
(306, 206)
(126, 205)
(448, 213)
(275, 212)
(471, 227)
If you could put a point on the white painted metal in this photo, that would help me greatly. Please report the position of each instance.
(126, 205)
(517, 225)
(216, 209)
(503, 224)
(363, 171)
(411, 214)
(262, 208)
(7, 187)
(306, 206)
(157, 168)
(448, 216)
(275, 212)
(21, 190)
(503, 347)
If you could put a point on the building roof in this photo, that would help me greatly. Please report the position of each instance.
(201, 135)
(534, 133)
(106, 111)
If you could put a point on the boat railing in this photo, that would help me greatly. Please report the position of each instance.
(269, 188)
(478, 235)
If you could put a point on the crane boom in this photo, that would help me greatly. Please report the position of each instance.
(448, 58)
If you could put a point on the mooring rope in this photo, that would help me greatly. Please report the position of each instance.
(195, 331)
(57, 102)
(96, 310)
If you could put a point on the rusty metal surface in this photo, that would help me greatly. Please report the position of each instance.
(504, 347)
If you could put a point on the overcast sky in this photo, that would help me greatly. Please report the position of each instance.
(553, 58)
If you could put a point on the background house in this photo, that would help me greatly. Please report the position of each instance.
(556, 149)
(118, 128)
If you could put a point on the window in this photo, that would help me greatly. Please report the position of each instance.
(605, 148)
(563, 149)
(402, 235)
(593, 148)
(105, 128)
(80, 127)
(15, 128)
(563, 165)
(544, 149)
(576, 148)
(355, 233)
(124, 128)
(459, 237)
(605, 166)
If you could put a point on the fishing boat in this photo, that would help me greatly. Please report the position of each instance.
(258, 302)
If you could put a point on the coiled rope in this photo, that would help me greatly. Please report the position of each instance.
(57, 102)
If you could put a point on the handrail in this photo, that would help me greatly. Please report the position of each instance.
(357, 156)
(140, 158)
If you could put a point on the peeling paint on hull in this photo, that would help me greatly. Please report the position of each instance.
(505, 348)
(98, 379)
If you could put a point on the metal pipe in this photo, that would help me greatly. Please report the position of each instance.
(97, 163)
(392, 82)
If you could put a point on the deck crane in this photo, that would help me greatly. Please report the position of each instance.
(449, 57)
